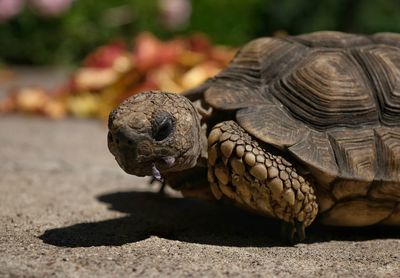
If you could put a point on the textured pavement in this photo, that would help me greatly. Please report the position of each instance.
(67, 210)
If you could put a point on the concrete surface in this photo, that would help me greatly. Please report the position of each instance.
(67, 210)
(22, 76)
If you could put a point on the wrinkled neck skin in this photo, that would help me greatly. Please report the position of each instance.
(200, 143)
(202, 115)
(195, 144)
(202, 160)
(195, 177)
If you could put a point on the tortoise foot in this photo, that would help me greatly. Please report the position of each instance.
(259, 178)
(161, 191)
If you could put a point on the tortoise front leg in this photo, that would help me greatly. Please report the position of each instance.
(253, 177)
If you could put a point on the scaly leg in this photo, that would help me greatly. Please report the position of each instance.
(252, 177)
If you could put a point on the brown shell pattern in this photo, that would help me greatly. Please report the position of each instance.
(329, 99)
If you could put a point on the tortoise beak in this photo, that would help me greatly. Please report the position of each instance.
(137, 154)
(123, 144)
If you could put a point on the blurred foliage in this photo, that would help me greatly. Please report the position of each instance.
(112, 73)
(355, 16)
(29, 38)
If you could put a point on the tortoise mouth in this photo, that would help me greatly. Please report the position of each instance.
(140, 165)
(138, 156)
(147, 167)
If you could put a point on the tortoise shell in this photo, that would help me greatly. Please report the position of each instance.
(332, 101)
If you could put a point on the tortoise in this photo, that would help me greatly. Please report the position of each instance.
(291, 128)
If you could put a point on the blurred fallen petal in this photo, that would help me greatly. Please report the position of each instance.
(147, 85)
(8, 104)
(31, 100)
(165, 79)
(200, 43)
(199, 74)
(83, 105)
(122, 64)
(145, 51)
(55, 109)
(222, 55)
(111, 74)
(94, 78)
(105, 56)
(191, 59)
(149, 52)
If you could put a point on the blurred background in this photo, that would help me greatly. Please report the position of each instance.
(64, 31)
(115, 48)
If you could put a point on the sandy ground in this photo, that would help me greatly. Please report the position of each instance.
(67, 210)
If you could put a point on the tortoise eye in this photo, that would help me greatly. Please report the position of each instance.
(163, 129)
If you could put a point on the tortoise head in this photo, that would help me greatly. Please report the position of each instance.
(154, 133)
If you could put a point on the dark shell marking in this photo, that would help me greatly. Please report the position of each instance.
(332, 101)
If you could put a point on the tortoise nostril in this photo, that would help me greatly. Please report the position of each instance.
(123, 138)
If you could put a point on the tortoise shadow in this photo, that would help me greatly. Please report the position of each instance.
(150, 214)
(194, 221)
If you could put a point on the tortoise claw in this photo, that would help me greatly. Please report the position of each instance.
(293, 233)
(161, 191)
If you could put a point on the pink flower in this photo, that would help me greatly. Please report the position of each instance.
(175, 14)
(51, 7)
(10, 8)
